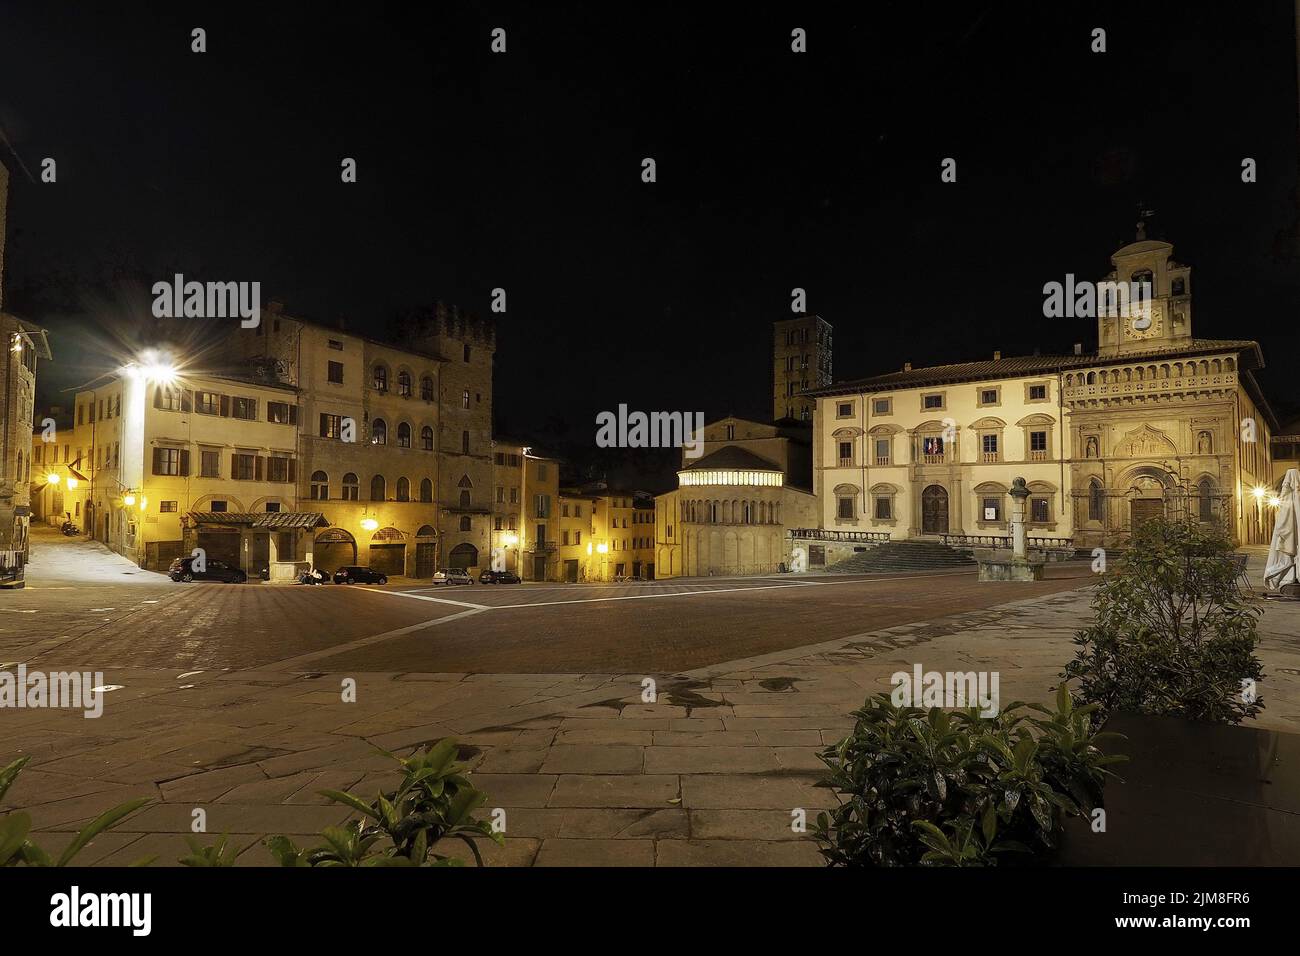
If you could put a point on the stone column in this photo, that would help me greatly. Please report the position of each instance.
(1019, 493)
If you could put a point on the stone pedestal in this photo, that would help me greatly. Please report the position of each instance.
(1000, 564)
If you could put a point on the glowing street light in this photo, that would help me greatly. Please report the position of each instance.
(602, 547)
(72, 482)
(1259, 491)
(52, 478)
(369, 524)
(511, 540)
(1274, 501)
(129, 500)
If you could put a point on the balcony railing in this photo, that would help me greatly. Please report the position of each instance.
(1002, 541)
(1037, 454)
(989, 456)
(821, 534)
(846, 462)
(882, 459)
(939, 459)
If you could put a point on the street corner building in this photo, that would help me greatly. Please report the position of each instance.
(305, 445)
(1155, 422)
(24, 345)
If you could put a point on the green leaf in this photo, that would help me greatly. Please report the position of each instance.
(338, 796)
(13, 834)
(10, 773)
(105, 821)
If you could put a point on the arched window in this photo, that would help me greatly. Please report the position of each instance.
(320, 486)
(426, 438)
(426, 490)
(404, 384)
(403, 489)
(1206, 489)
(377, 488)
(1141, 286)
(1096, 501)
(350, 487)
(464, 497)
(381, 378)
(379, 432)
(403, 435)
(426, 388)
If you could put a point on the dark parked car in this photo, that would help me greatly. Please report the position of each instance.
(498, 577)
(355, 574)
(182, 569)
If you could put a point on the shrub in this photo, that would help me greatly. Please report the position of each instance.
(434, 800)
(957, 789)
(1172, 636)
(16, 849)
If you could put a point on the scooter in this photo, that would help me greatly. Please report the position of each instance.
(315, 576)
(70, 529)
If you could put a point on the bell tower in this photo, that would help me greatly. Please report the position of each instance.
(1146, 301)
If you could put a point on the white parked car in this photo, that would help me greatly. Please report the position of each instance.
(452, 576)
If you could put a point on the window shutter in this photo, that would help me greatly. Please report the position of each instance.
(293, 469)
(253, 402)
(157, 396)
(234, 466)
(257, 468)
(324, 426)
(225, 406)
(187, 400)
(157, 461)
(185, 462)
(293, 414)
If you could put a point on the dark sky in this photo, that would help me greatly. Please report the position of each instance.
(775, 170)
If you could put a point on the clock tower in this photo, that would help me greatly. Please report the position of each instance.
(1146, 302)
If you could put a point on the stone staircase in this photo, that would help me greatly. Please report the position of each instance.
(905, 556)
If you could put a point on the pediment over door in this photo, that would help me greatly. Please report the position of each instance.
(1145, 442)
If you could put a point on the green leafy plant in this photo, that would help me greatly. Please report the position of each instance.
(434, 800)
(16, 849)
(222, 853)
(932, 787)
(1172, 635)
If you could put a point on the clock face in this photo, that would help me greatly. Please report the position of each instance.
(1145, 323)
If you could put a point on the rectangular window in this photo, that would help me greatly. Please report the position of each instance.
(989, 445)
(166, 506)
(245, 408)
(167, 399)
(209, 464)
(542, 506)
(277, 469)
(331, 426)
(882, 451)
(884, 508)
(273, 506)
(217, 506)
(541, 471)
(992, 509)
(1040, 510)
(336, 345)
(846, 454)
(988, 396)
(845, 509)
(932, 401)
(207, 403)
(166, 461)
(881, 406)
(1037, 393)
(577, 537)
(282, 413)
(242, 467)
(501, 494)
(464, 398)
(564, 538)
(335, 373)
(844, 410)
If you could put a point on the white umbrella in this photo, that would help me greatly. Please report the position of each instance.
(1281, 567)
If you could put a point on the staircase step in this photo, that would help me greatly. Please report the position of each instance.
(905, 556)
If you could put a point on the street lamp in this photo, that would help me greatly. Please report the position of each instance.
(369, 524)
(52, 478)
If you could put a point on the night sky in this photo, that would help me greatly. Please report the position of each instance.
(775, 170)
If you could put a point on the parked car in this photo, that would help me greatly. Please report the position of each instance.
(355, 574)
(182, 569)
(452, 576)
(498, 577)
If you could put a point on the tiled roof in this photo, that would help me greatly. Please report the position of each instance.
(733, 456)
(1017, 366)
(277, 520)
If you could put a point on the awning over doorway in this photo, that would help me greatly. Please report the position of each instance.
(271, 520)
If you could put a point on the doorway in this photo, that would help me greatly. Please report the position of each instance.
(934, 510)
(1142, 510)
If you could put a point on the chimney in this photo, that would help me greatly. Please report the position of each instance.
(997, 356)
(1078, 348)
(907, 366)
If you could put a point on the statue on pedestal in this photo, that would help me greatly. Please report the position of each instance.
(1281, 574)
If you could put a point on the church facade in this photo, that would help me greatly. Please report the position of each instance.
(1155, 422)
